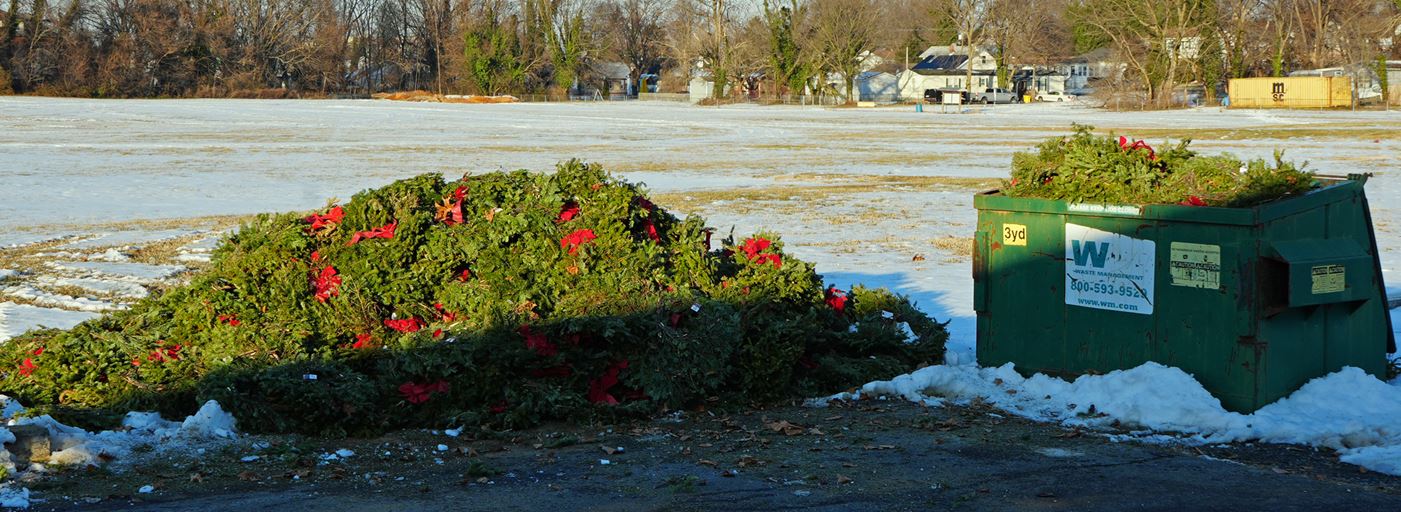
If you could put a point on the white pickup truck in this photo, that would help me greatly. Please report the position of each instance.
(995, 95)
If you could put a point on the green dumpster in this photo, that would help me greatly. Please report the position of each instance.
(1253, 302)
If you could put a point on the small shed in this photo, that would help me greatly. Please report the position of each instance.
(878, 87)
(700, 88)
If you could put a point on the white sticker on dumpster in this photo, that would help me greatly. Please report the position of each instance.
(1110, 271)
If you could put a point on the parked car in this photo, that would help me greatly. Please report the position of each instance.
(995, 95)
(1053, 96)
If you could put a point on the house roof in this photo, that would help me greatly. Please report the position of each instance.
(1092, 56)
(934, 64)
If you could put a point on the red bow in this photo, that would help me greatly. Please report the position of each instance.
(1124, 145)
(416, 393)
(837, 299)
(411, 324)
(578, 238)
(327, 284)
(598, 388)
(537, 342)
(386, 232)
(568, 212)
(331, 218)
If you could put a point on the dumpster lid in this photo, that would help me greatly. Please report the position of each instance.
(1313, 251)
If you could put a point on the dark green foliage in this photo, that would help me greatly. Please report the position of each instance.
(1085, 168)
(515, 323)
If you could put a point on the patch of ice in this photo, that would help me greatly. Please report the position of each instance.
(1059, 453)
(126, 238)
(1347, 410)
(119, 288)
(13, 239)
(42, 297)
(199, 257)
(136, 271)
(111, 254)
(16, 319)
(6, 273)
(14, 496)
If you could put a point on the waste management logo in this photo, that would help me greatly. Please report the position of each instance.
(1110, 271)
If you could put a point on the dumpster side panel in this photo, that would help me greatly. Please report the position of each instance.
(1102, 339)
(1207, 289)
(1346, 327)
(1023, 280)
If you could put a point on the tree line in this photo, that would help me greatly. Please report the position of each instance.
(179, 48)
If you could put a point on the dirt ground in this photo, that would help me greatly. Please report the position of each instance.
(872, 455)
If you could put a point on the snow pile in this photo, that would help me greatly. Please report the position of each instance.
(13, 496)
(6, 273)
(75, 446)
(59, 300)
(1348, 411)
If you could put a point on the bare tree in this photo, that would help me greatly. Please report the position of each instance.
(701, 36)
(972, 19)
(635, 33)
(844, 31)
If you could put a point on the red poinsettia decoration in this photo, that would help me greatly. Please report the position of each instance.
(447, 316)
(416, 393)
(330, 219)
(651, 230)
(1136, 145)
(573, 241)
(450, 210)
(568, 212)
(598, 388)
(499, 407)
(406, 325)
(362, 340)
(165, 353)
(386, 232)
(327, 284)
(26, 367)
(754, 247)
(837, 299)
(537, 342)
(1193, 201)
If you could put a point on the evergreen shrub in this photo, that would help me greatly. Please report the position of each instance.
(1085, 168)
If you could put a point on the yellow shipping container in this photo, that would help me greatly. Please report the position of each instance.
(1291, 92)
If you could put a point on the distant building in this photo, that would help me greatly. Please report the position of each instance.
(869, 86)
(947, 67)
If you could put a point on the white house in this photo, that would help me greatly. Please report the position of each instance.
(1088, 67)
(946, 67)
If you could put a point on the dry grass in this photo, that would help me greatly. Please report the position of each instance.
(213, 222)
(1380, 131)
(425, 96)
(961, 247)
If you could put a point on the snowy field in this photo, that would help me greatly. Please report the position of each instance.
(102, 201)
